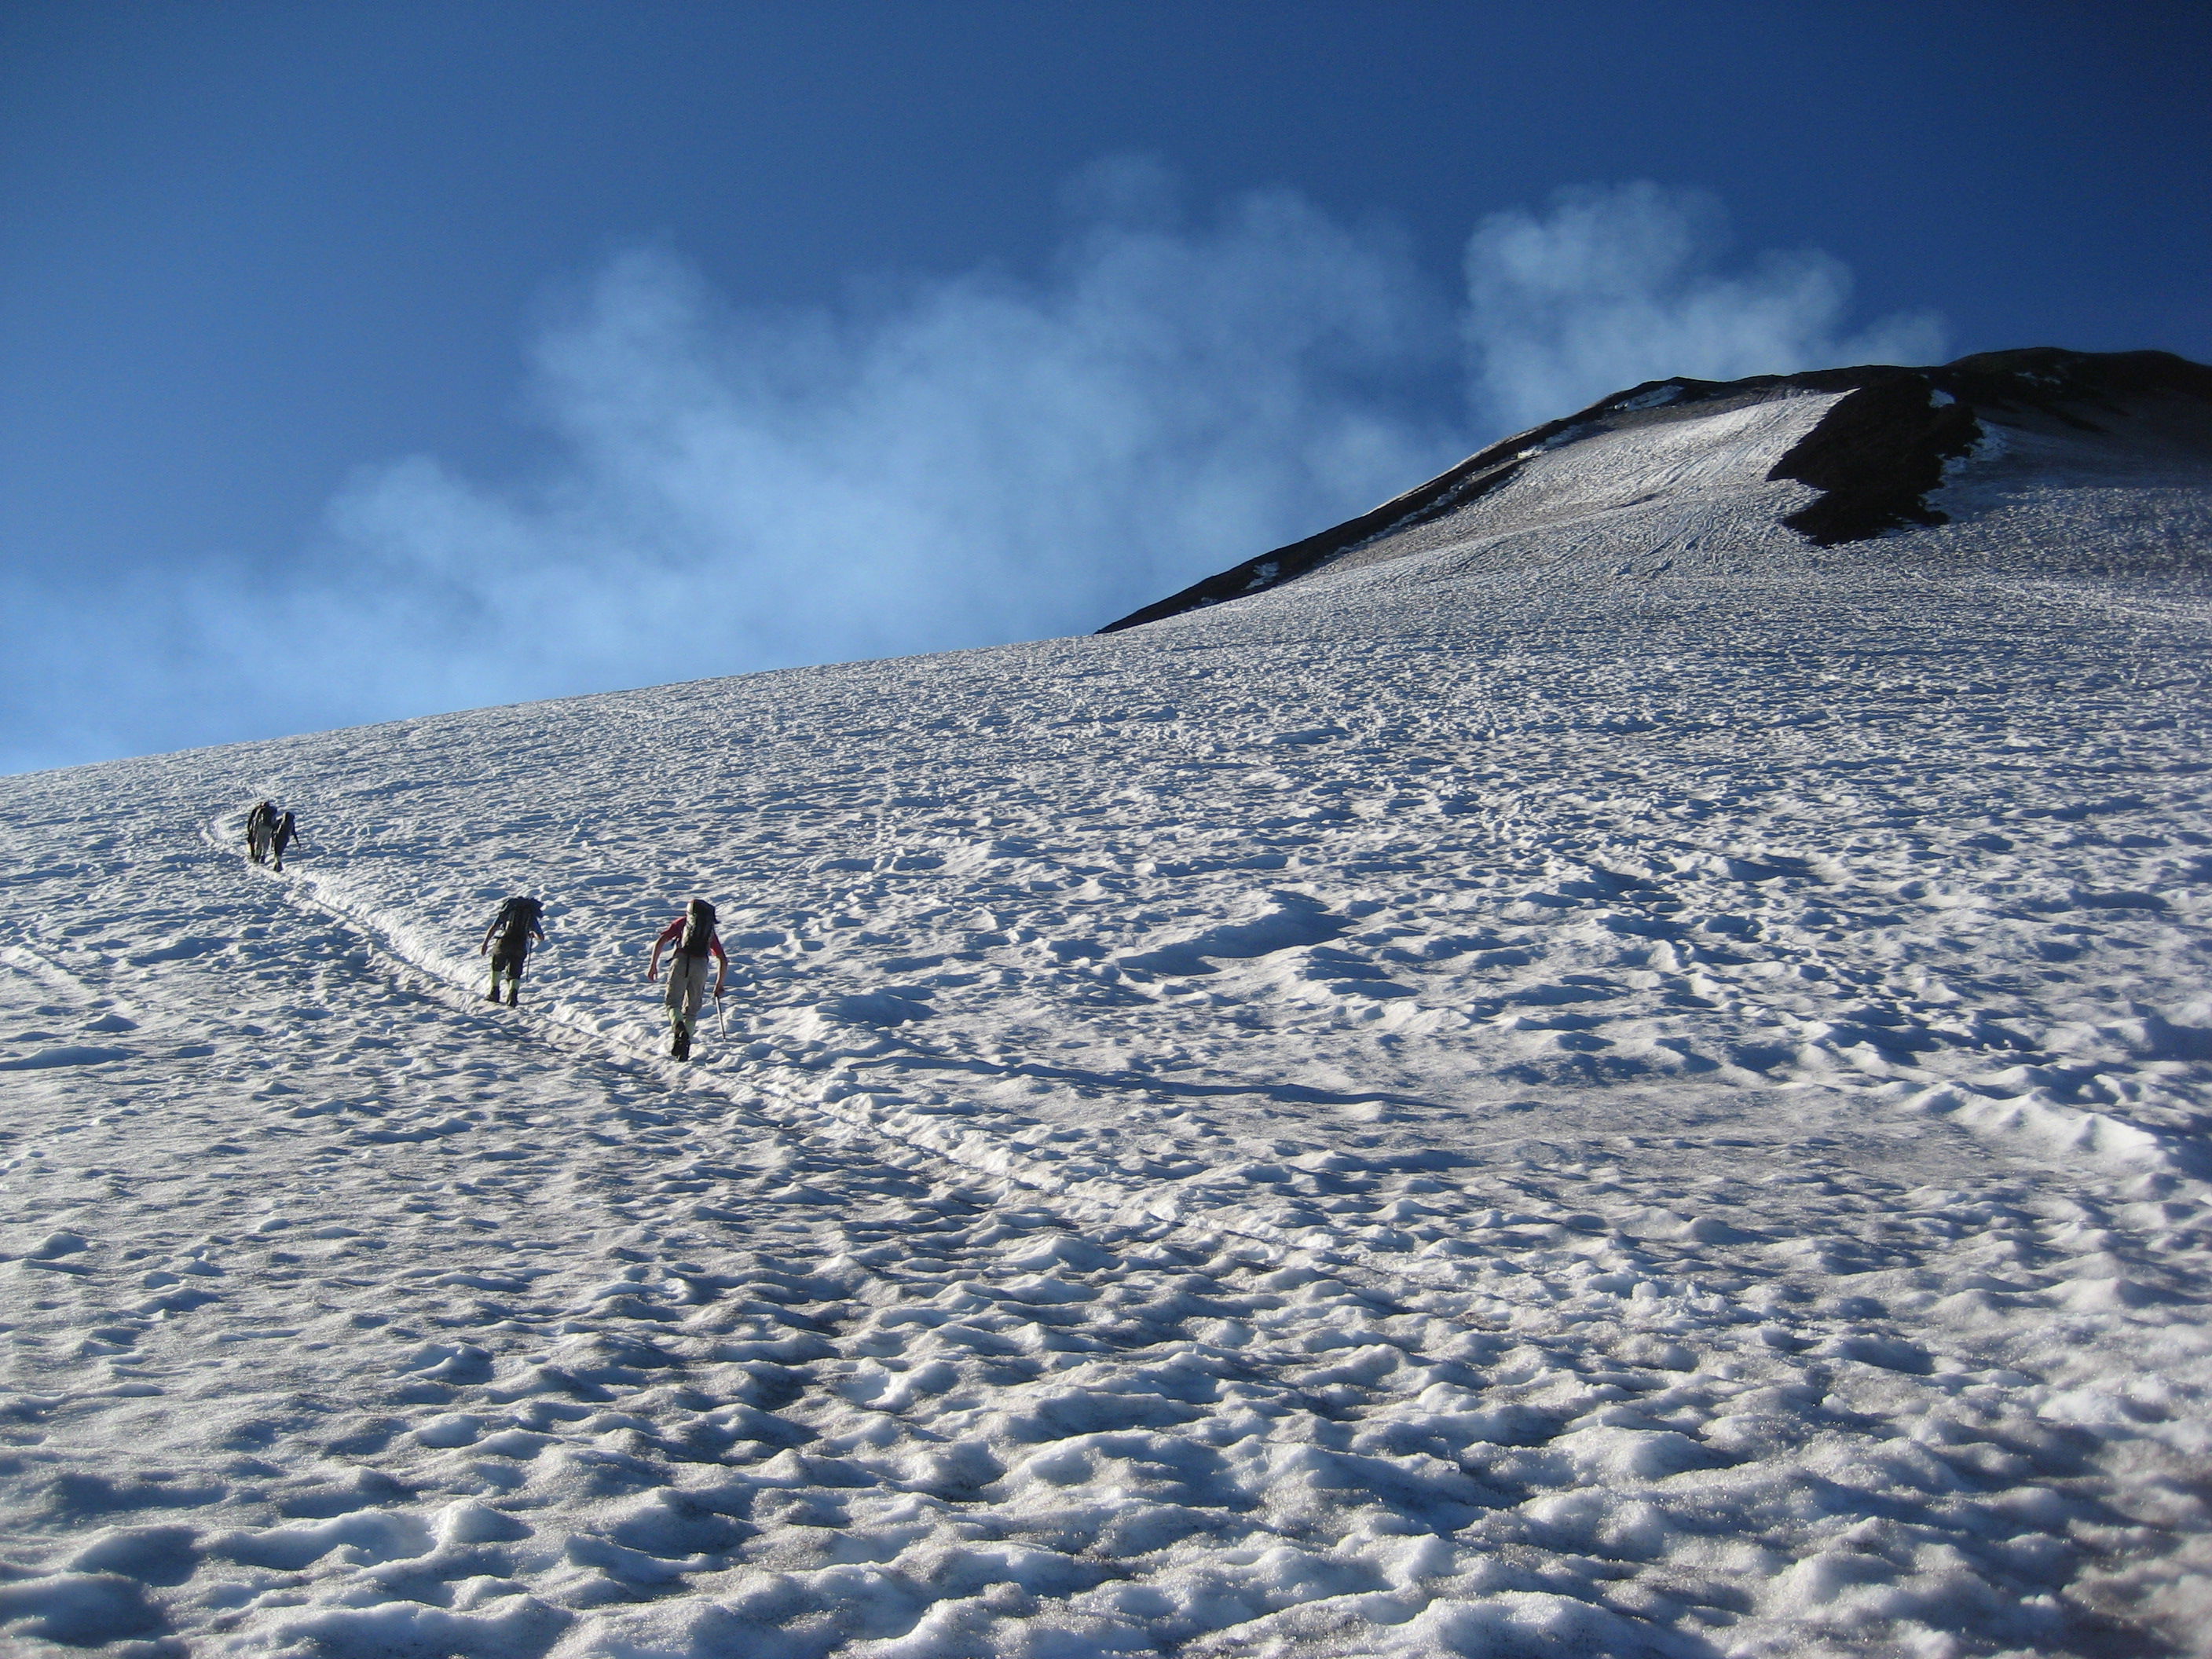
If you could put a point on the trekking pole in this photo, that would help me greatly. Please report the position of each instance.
(721, 1025)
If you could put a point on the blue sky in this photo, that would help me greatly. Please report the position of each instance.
(359, 361)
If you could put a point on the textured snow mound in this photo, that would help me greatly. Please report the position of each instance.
(1594, 1075)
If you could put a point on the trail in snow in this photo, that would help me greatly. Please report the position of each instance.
(1478, 1103)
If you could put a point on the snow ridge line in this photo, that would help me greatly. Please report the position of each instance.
(963, 1152)
(1094, 1200)
(1089, 1200)
(422, 970)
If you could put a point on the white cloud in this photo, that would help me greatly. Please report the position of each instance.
(1619, 284)
(974, 459)
(989, 459)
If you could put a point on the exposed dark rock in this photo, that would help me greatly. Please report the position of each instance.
(1878, 452)
(1877, 455)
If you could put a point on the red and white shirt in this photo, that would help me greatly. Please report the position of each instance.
(674, 931)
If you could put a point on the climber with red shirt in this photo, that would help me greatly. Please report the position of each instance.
(693, 935)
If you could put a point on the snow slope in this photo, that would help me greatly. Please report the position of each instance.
(1599, 1079)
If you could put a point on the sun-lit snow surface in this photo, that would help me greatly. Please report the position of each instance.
(1640, 1087)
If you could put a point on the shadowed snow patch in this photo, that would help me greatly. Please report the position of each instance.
(1297, 922)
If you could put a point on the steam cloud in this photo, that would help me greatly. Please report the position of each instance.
(981, 459)
(1616, 286)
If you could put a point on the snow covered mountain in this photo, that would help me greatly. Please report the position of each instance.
(1876, 443)
(1616, 1058)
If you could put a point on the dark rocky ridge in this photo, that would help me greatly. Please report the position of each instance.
(1875, 456)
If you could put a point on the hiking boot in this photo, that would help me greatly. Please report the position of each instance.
(492, 996)
(679, 1046)
(513, 997)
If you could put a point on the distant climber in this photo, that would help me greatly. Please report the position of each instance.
(519, 921)
(269, 831)
(260, 826)
(282, 834)
(693, 935)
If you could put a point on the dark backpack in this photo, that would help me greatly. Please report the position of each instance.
(516, 918)
(698, 929)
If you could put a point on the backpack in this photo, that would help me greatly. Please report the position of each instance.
(516, 918)
(698, 929)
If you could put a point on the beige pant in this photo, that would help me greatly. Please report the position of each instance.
(687, 986)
